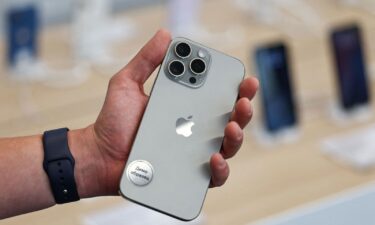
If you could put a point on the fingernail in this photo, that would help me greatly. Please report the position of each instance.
(238, 134)
(222, 163)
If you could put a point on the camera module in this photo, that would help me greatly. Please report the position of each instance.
(176, 68)
(183, 50)
(197, 66)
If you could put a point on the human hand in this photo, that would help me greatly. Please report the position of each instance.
(116, 126)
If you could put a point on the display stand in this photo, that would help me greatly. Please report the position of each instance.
(283, 136)
(343, 117)
(54, 74)
(183, 20)
(94, 32)
(354, 148)
(24, 65)
(27, 69)
(283, 15)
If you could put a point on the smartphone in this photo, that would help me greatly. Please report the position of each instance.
(278, 105)
(22, 33)
(350, 67)
(183, 125)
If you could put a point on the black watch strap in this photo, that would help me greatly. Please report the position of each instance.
(59, 166)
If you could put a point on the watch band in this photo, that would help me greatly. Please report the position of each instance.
(59, 166)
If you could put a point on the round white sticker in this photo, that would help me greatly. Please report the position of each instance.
(140, 172)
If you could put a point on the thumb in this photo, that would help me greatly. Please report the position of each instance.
(148, 58)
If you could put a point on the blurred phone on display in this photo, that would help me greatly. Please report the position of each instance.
(350, 67)
(279, 110)
(22, 33)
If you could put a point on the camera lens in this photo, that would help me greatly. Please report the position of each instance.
(183, 50)
(198, 66)
(176, 68)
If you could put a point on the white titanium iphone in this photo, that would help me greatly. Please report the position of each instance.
(183, 125)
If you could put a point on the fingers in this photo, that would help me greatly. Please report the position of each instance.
(242, 112)
(249, 87)
(233, 137)
(233, 134)
(148, 58)
(219, 170)
(232, 143)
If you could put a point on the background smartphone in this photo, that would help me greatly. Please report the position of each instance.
(22, 27)
(350, 67)
(183, 124)
(279, 110)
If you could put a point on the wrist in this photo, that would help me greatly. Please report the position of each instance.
(89, 170)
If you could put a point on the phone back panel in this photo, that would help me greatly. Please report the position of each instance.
(181, 171)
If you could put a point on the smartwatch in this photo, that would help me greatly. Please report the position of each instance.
(59, 165)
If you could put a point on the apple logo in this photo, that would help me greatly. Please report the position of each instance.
(183, 126)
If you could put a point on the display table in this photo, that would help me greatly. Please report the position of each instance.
(264, 179)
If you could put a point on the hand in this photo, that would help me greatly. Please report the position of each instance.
(117, 124)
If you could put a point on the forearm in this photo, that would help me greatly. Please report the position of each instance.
(24, 184)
